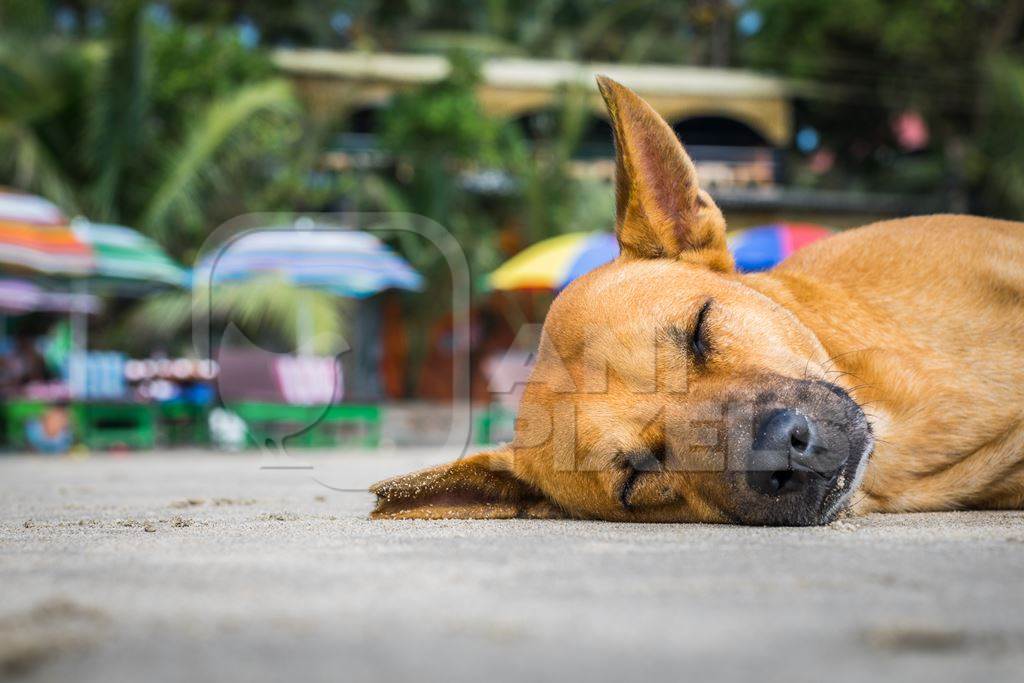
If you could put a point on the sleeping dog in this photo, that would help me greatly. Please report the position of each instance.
(881, 369)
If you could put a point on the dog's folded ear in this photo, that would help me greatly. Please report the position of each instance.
(660, 209)
(482, 486)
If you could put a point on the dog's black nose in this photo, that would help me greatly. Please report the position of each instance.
(787, 454)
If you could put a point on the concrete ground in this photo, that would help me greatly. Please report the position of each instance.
(200, 567)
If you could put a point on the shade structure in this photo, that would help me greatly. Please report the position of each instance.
(765, 246)
(555, 262)
(123, 256)
(18, 296)
(344, 262)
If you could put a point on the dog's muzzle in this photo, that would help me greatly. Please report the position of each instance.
(789, 454)
(805, 459)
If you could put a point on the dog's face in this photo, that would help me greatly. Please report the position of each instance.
(665, 388)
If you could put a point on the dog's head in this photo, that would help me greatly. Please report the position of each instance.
(666, 388)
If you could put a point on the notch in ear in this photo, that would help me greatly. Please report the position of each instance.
(482, 486)
(660, 209)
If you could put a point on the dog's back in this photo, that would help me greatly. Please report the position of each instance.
(925, 317)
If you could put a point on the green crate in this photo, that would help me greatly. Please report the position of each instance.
(109, 425)
(311, 426)
(97, 425)
(17, 413)
(184, 423)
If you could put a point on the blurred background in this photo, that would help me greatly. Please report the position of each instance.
(130, 131)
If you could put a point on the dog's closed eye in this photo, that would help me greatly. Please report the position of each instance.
(695, 342)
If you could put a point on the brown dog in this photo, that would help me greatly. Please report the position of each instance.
(878, 370)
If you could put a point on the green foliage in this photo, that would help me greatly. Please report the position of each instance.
(34, 93)
(700, 31)
(872, 59)
(442, 140)
(138, 128)
(920, 53)
(999, 163)
(167, 128)
(222, 118)
(442, 119)
(553, 200)
(631, 30)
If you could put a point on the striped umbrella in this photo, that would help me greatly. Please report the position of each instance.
(19, 296)
(345, 262)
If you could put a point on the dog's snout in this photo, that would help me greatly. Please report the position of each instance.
(787, 454)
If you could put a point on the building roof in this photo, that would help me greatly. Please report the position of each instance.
(647, 79)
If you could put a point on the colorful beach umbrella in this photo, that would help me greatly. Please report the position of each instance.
(555, 262)
(763, 247)
(345, 262)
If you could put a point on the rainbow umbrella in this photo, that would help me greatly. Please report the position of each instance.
(555, 262)
(764, 246)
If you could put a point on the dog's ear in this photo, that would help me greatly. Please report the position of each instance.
(482, 486)
(660, 209)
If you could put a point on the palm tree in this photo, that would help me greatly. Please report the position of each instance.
(158, 127)
(90, 125)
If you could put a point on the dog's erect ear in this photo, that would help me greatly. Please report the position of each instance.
(660, 209)
(482, 486)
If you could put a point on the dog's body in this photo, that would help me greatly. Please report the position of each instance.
(877, 370)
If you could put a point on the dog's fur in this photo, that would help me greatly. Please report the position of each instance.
(919, 321)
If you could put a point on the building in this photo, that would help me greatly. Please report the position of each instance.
(737, 125)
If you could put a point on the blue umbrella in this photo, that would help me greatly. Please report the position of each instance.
(345, 262)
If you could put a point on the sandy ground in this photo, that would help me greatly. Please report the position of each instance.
(198, 567)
